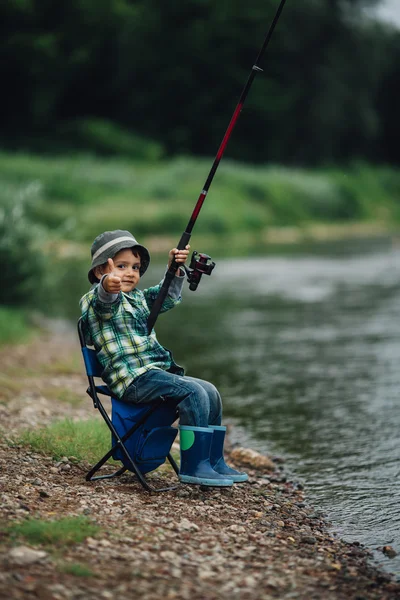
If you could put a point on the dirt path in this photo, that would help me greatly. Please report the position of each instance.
(259, 540)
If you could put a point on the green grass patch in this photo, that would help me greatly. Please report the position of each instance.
(66, 201)
(76, 569)
(86, 440)
(62, 532)
(76, 197)
(14, 326)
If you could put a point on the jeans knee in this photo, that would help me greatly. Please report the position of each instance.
(194, 409)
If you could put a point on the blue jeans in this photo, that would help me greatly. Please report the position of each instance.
(199, 401)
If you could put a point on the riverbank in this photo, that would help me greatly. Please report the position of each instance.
(259, 540)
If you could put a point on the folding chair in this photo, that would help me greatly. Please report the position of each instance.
(141, 435)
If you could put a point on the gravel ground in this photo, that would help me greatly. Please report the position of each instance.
(258, 540)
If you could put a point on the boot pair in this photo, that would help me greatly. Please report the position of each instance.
(202, 457)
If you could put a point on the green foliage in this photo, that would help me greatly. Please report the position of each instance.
(77, 569)
(61, 533)
(103, 137)
(85, 440)
(90, 74)
(77, 197)
(53, 207)
(14, 326)
(21, 256)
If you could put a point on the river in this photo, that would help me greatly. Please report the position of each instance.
(306, 352)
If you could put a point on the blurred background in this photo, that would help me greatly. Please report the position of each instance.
(111, 114)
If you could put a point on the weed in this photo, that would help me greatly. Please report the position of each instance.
(76, 569)
(86, 440)
(63, 532)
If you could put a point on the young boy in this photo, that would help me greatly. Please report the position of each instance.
(137, 368)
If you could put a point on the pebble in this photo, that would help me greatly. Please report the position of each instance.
(308, 539)
(23, 555)
(389, 551)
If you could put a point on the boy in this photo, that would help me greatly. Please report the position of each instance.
(137, 368)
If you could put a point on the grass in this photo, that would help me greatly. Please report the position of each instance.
(76, 569)
(76, 197)
(14, 326)
(63, 532)
(85, 440)
(250, 210)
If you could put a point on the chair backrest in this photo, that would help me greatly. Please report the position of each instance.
(92, 365)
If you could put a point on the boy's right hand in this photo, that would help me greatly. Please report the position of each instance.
(112, 283)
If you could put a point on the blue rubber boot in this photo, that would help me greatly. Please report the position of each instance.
(217, 456)
(195, 458)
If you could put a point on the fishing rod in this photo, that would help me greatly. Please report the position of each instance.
(203, 265)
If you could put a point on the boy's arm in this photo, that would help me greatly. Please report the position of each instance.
(175, 289)
(174, 292)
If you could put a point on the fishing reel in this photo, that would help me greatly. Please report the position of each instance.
(200, 264)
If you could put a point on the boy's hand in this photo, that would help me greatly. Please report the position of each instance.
(179, 255)
(112, 283)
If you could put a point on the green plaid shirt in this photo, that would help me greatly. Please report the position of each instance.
(118, 332)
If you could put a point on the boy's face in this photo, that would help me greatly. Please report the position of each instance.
(127, 267)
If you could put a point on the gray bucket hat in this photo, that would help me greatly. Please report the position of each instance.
(106, 246)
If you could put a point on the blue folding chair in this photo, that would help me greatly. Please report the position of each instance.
(141, 435)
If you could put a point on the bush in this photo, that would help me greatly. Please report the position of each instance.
(14, 325)
(21, 256)
(108, 139)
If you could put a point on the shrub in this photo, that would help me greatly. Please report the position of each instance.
(21, 257)
(109, 139)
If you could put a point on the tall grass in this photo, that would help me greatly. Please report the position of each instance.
(76, 197)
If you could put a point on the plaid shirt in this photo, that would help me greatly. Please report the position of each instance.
(118, 332)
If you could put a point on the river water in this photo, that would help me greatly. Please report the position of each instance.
(306, 352)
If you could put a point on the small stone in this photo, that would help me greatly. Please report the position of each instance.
(308, 539)
(389, 551)
(186, 525)
(236, 528)
(22, 555)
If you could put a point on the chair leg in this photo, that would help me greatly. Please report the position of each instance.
(142, 479)
(173, 463)
(89, 476)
